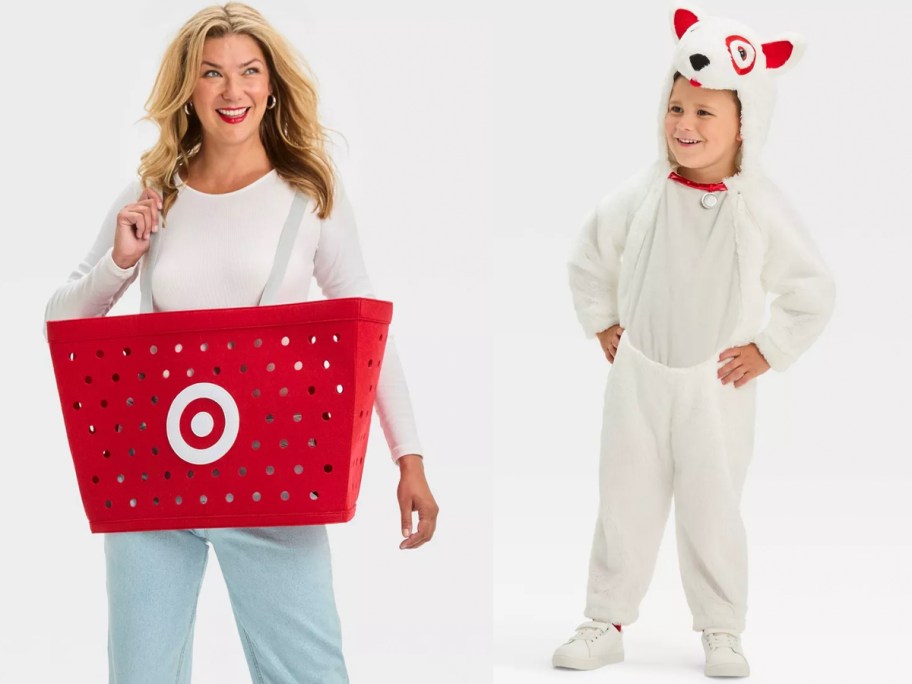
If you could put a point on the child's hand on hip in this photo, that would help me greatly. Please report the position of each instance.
(609, 339)
(746, 364)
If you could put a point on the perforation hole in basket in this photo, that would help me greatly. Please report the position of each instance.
(270, 367)
(257, 496)
(327, 415)
(108, 503)
(103, 403)
(132, 503)
(155, 501)
(370, 389)
(229, 497)
(91, 429)
(285, 496)
(311, 389)
(339, 389)
(298, 365)
(256, 393)
(154, 399)
(243, 368)
(326, 363)
(190, 372)
(72, 356)
(216, 472)
(269, 418)
(166, 373)
(88, 379)
(178, 499)
(313, 339)
(121, 478)
(335, 338)
(283, 443)
(167, 474)
(153, 349)
(312, 442)
(131, 452)
(297, 417)
(204, 346)
(270, 470)
(127, 351)
(381, 337)
(370, 363)
(143, 425)
(189, 474)
(77, 405)
(285, 341)
(298, 469)
(95, 479)
(130, 401)
(203, 499)
(144, 477)
(140, 376)
(242, 471)
(155, 451)
(178, 347)
(255, 445)
(258, 343)
(115, 377)
(314, 495)
(361, 414)
(99, 354)
(327, 468)
(216, 370)
(106, 453)
(283, 392)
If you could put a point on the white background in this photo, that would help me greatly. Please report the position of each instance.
(477, 139)
(826, 505)
(410, 91)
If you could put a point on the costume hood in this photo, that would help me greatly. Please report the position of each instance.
(722, 54)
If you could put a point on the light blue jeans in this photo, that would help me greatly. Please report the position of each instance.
(280, 583)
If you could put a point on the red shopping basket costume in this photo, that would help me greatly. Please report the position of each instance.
(237, 417)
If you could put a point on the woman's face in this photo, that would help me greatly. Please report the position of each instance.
(231, 89)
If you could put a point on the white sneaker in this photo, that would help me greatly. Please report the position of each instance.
(594, 644)
(724, 655)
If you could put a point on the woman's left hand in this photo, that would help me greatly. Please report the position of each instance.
(415, 495)
(746, 364)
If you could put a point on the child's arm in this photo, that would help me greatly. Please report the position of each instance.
(596, 258)
(794, 270)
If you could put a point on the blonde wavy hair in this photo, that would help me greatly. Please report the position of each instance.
(291, 132)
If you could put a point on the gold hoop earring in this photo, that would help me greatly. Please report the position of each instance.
(274, 101)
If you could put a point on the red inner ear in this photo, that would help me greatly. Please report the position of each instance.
(777, 53)
(683, 20)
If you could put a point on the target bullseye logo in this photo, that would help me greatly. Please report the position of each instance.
(202, 423)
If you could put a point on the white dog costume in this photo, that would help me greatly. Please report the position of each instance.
(685, 269)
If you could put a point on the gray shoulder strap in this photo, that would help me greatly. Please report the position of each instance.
(279, 264)
(283, 251)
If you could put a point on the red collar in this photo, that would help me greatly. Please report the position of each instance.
(708, 187)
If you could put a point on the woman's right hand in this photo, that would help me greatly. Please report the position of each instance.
(135, 222)
(609, 339)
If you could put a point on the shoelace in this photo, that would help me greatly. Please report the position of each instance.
(589, 630)
(722, 640)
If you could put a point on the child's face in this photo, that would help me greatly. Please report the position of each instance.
(703, 130)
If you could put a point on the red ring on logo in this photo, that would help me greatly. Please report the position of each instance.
(218, 417)
(741, 70)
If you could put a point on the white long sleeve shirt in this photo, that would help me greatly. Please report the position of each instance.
(217, 252)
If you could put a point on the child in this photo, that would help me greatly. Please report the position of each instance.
(671, 273)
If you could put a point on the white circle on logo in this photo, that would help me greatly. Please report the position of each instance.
(202, 424)
(198, 423)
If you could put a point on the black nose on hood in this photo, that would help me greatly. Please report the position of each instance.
(699, 61)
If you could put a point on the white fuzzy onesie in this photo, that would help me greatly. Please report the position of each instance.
(686, 283)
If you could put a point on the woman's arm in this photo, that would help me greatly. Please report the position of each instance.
(97, 283)
(340, 272)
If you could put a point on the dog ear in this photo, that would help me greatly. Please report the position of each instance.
(783, 53)
(682, 19)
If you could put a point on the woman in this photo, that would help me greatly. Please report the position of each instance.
(239, 136)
